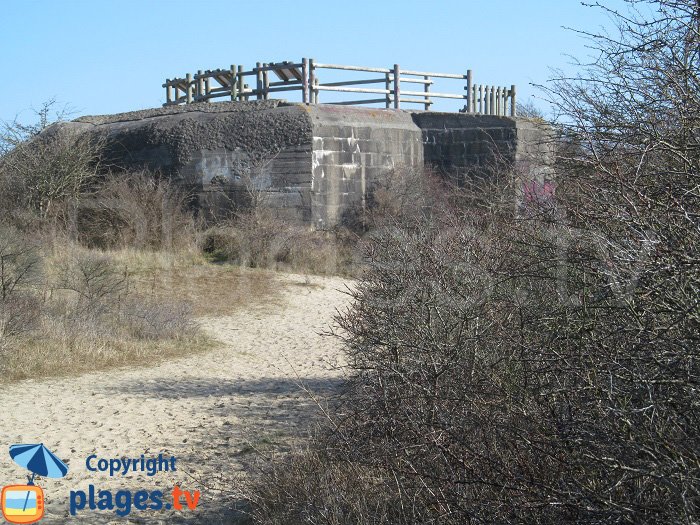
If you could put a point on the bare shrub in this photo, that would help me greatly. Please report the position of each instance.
(314, 488)
(543, 367)
(406, 193)
(57, 167)
(45, 168)
(20, 269)
(257, 239)
(98, 284)
(20, 263)
(139, 210)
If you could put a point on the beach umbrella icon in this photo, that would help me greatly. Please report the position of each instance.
(39, 460)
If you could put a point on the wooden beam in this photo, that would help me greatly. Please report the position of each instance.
(397, 87)
(426, 90)
(305, 80)
(312, 81)
(470, 103)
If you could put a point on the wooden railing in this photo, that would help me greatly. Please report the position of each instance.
(394, 85)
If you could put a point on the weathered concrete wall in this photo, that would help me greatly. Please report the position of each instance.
(456, 141)
(221, 152)
(314, 164)
(352, 149)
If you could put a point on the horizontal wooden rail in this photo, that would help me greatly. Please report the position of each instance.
(356, 82)
(324, 87)
(434, 75)
(358, 102)
(353, 68)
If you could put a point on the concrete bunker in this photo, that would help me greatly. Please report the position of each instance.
(311, 162)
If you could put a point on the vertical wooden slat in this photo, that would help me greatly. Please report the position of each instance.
(198, 83)
(387, 86)
(266, 83)
(312, 82)
(426, 89)
(305, 80)
(470, 103)
(512, 101)
(188, 79)
(168, 91)
(234, 84)
(481, 98)
(240, 83)
(258, 78)
(207, 89)
(493, 101)
(397, 87)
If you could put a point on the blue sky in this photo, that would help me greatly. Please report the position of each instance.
(107, 56)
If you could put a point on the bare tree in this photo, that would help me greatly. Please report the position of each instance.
(44, 165)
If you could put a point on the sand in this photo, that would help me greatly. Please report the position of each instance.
(212, 411)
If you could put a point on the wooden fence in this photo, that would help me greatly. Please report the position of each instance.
(391, 87)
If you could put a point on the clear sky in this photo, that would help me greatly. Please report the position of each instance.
(107, 56)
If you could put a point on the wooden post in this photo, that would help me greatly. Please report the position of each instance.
(387, 86)
(188, 79)
(234, 83)
(168, 91)
(197, 85)
(240, 83)
(266, 83)
(474, 98)
(481, 99)
(487, 101)
(258, 78)
(426, 89)
(312, 82)
(493, 101)
(498, 100)
(512, 101)
(207, 88)
(397, 87)
(470, 103)
(316, 93)
(305, 80)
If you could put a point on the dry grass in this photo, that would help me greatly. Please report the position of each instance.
(64, 352)
(211, 289)
(147, 318)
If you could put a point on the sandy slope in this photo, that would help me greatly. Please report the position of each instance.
(209, 410)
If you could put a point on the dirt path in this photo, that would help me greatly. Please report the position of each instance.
(210, 411)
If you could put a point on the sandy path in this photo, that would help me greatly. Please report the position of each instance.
(209, 410)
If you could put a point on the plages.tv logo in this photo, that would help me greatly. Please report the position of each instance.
(25, 503)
